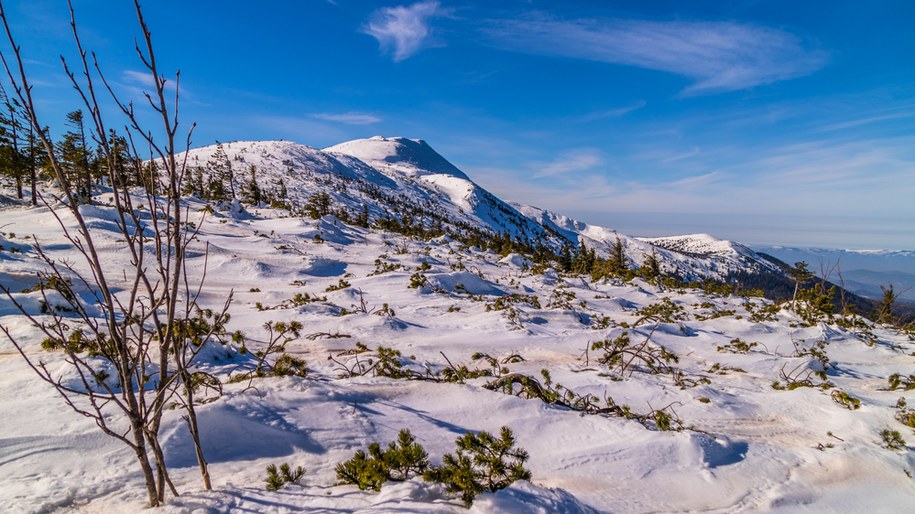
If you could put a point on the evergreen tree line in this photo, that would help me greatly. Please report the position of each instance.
(25, 161)
(218, 181)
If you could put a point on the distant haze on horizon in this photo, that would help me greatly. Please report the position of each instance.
(772, 122)
(760, 230)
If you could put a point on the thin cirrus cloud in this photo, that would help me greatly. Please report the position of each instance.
(612, 113)
(716, 56)
(349, 118)
(139, 79)
(570, 162)
(403, 30)
(137, 85)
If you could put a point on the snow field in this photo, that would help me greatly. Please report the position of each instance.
(752, 448)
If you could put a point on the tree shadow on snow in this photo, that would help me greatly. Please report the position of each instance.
(229, 434)
(425, 416)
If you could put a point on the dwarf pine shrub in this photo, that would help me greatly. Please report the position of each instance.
(341, 284)
(288, 366)
(665, 311)
(900, 381)
(417, 280)
(401, 460)
(389, 363)
(76, 342)
(846, 400)
(737, 346)
(892, 439)
(481, 463)
(278, 478)
(905, 415)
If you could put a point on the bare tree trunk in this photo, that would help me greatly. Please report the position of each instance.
(152, 491)
(162, 476)
(32, 168)
(191, 419)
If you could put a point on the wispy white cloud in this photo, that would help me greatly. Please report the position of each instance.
(696, 181)
(717, 56)
(869, 120)
(694, 151)
(571, 161)
(349, 118)
(612, 113)
(139, 78)
(848, 168)
(861, 183)
(403, 30)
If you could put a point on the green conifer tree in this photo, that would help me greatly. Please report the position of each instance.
(617, 263)
(883, 312)
(221, 184)
(251, 193)
(651, 268)
(12, 161)
(801, 274)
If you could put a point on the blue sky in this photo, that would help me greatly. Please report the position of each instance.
(761, 121)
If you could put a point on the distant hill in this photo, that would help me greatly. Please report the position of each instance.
(864, 271)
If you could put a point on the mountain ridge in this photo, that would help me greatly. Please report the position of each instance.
(408, 180)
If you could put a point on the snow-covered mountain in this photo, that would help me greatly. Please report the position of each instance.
(388, 175)
(735, 256)
(398, 154)
(691, 256)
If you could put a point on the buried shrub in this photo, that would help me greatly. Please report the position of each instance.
(280, 333)
(401, 460)
(738, 346)
(277, 479)
(77, 342)
(892, 439)
(905, 415)
(846, 400)
(900, 381)
(288, 366)
(622, 355)
(482, 463)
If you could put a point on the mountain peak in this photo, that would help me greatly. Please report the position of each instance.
(410, 156)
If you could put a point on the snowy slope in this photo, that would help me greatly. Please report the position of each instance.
(747, 447)
(398, 156)
(692, 257)
(409, 156)
(705, 246)
(701, 244)
(379, 171)
(397, 171)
